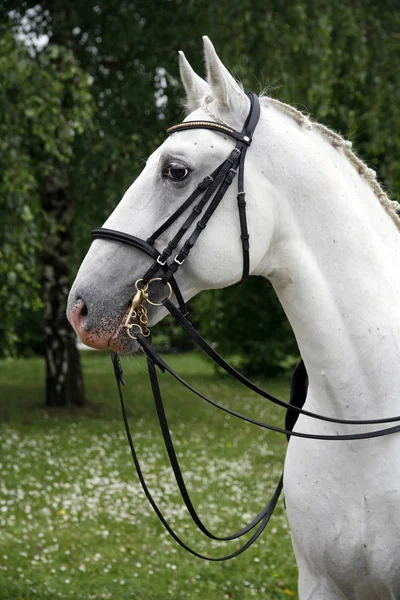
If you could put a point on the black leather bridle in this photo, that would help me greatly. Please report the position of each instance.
(209, 193)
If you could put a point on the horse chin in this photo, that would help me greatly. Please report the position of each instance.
(121, 343)
(109, 334)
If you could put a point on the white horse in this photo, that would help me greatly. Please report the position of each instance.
(325, 234)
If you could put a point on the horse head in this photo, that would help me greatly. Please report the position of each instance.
(105, 284)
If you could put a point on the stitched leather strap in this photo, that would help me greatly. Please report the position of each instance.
(213, 354)
(174, 461)
(229, 173)
(130, 240)
(218, 180)
(262, 519)
(222, 179)
(267, 512)
(150, 351)
(218, 183)
(202, 186)
(241, 136)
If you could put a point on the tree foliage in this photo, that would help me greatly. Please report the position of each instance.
(45, 104)
(335, 60)
(248, 324)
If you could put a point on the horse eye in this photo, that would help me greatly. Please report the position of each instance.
(176, 172)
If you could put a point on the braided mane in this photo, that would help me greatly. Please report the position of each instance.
(369, 175)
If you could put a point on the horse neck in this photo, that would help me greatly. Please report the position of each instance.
(334, 264)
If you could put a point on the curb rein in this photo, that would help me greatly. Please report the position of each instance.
(211, 191)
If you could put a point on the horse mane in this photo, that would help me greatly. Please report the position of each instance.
(369, 175)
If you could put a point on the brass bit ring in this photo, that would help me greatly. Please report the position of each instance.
(169, 292)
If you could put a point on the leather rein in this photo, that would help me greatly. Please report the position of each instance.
(208, 194)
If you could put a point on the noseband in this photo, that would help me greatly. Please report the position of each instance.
(208, 194)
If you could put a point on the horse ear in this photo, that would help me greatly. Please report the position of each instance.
(195, 87)
(224, 88)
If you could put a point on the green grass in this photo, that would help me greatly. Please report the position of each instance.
(74, 522)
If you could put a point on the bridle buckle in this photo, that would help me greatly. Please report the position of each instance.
(160, 262)
(179, 262)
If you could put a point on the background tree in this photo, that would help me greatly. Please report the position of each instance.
(46, 104)
(335, 60)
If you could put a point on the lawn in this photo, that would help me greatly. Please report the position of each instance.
(74, 522)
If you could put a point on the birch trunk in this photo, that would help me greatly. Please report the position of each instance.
(64, 381)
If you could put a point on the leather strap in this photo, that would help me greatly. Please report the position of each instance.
(130, 240)
(213, 354)
(202, 186)
(249, 127)
(220, 180)
(241, 136)
(217, 181)
(228, 173)
(269, 509)
(298, 394)
(150, 351)
(175, 465)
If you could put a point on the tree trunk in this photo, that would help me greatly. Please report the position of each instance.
(64, 381)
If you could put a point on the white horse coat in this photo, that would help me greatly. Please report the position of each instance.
(324, 233)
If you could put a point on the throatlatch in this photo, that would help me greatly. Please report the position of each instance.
(208, 194)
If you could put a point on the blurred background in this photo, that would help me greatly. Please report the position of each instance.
(87, 90)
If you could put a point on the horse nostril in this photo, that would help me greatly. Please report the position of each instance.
(81, 310)
(77, 315)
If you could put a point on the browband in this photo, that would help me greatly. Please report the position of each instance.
(236, 135)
